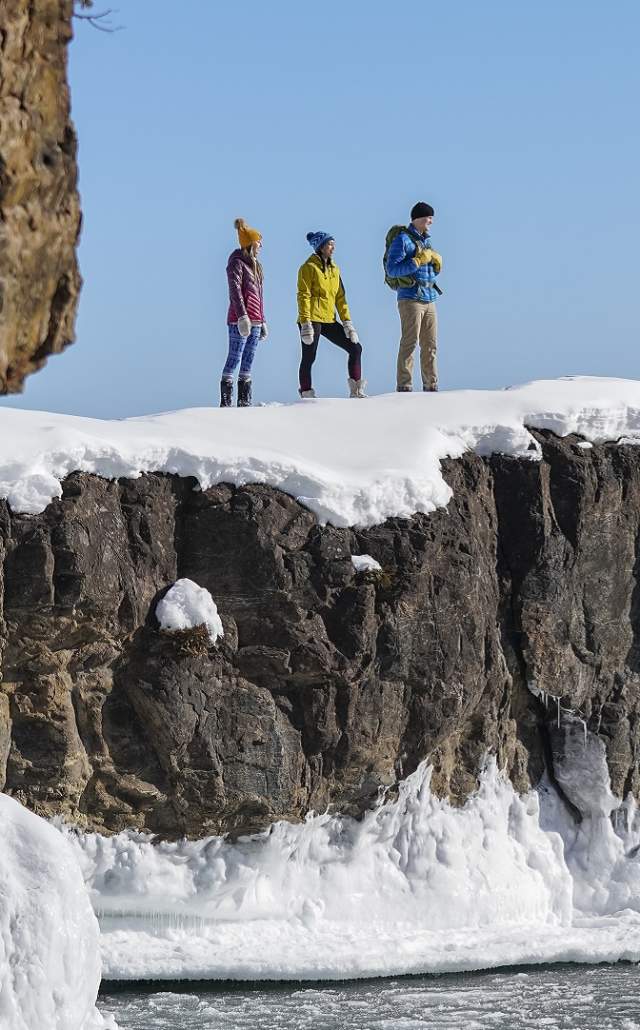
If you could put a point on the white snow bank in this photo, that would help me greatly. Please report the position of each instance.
(334, 897)
(49, 951)
(365, 563)
(185, 606)
(350, 464)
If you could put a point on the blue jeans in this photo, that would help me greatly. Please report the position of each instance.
(242, 351)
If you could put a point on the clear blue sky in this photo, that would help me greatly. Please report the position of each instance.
(517, 121)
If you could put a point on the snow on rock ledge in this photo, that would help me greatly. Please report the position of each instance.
(391, 467)
(185, 606)
(49, 938)
(365, 563)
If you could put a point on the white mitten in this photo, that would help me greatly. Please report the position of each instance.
(244, 325)
(306, 333)
(350, 331)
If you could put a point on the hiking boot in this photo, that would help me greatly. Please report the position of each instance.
(356, 387)
(244, 393)
(404, 389)
(307, 393)
(429, 389)
(226, 393)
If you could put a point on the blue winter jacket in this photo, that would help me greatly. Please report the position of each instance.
(400, 262)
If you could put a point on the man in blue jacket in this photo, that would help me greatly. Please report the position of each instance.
(412, 266)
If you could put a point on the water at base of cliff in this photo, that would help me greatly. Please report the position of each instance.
(552, 998)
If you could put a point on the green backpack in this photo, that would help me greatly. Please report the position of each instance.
(396, 282)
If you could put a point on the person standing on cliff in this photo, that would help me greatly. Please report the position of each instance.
(245, 318)
(411, 266)
(320, 293)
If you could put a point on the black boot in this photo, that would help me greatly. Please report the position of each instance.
(226, 393)
(244, 393)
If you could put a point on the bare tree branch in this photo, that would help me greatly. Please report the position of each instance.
(100, 20)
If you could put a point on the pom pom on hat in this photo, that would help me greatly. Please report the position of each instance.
(246, 235)
(318, 239)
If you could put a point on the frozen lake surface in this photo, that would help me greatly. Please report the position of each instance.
(553, 998)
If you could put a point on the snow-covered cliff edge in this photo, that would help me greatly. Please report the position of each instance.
(509, 607)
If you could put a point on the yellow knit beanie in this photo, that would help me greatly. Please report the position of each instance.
(246, 235)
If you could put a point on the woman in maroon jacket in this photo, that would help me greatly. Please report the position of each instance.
(245, 318)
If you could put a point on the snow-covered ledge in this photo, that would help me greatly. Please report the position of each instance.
(186, 606)
(352, 464)
(365, 563)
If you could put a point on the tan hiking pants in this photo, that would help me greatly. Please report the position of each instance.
(418, 324)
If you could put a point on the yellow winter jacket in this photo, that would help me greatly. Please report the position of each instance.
(320, 292)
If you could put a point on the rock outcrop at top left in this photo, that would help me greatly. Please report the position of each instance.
(39, 202)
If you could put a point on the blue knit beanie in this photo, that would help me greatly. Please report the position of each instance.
(318, 239)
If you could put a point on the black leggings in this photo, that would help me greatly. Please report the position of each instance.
(336, 334)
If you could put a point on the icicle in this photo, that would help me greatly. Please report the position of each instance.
(559, 710)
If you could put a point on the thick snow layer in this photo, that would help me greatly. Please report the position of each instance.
(186, 605)
(49, 950)
(352, 464)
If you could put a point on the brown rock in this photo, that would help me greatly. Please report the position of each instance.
(39, 203)
(328, 684)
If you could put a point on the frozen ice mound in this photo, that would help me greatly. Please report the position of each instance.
(49, 936)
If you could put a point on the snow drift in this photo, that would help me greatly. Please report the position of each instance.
(351, 465)
(49, 951)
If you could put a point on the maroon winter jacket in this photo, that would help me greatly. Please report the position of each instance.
(245, 289)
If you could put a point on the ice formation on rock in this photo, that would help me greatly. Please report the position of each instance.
(49, 936)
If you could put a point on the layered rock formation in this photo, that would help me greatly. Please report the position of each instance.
(328, 683)
(39, 204)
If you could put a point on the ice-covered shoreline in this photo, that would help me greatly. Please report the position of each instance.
(416, 887)
(133, 956)
(352, 464)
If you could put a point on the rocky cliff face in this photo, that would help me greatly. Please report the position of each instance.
(327, 683)
(39, 204)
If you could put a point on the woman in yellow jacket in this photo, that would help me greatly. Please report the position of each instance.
(320, 292)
